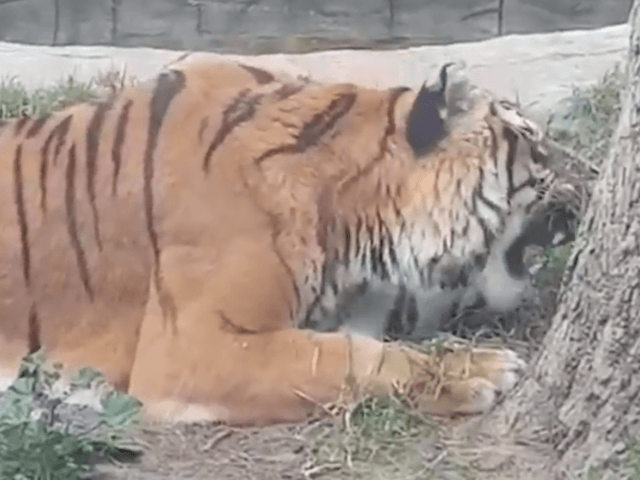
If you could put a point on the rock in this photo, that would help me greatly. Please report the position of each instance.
(261, 26)
(541, 69)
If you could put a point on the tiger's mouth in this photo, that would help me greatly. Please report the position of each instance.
(553, 223)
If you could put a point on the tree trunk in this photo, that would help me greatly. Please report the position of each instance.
(583, 397)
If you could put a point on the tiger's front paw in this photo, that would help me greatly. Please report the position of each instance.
(466, 381)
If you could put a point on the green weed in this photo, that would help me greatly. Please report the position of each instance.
(379, 438)
(16, 101)
(38, 443)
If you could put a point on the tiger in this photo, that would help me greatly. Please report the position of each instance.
(176, 235)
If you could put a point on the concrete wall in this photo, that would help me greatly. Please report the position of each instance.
(540, 69)
(263, 26)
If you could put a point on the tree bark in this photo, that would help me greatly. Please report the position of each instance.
(583, 397)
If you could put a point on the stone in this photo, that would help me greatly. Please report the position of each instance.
(263, 26)
(540, 69)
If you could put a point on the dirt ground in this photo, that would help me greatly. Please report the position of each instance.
(213, 451)
(210, 451)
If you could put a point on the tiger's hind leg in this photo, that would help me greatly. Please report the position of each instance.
(235, 357)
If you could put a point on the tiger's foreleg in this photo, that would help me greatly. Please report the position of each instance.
(235, 357)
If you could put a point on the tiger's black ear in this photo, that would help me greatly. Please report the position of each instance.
(426, 120)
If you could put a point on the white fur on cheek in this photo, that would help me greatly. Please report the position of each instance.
(501, 291)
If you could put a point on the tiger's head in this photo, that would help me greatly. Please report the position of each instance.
(481, 189)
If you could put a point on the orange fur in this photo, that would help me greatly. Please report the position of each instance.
(183, 279)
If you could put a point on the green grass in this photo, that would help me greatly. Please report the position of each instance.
(37, 443)
(633, 460)
(16, 101)
(378, 438)
(584, 125)
(585, 121)
(630, 469)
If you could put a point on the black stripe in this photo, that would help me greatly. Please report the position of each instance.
(512, 142)
(288, 90)
(384, 273)
(37, 126)
(21, 213)
(393, 257)
(261, 76)
(118, 143)
(465, 229)
(486, 231)
(58, 131)
(492, 206)
(33, 339)
(372, 248)
(230, 326)
(412, 313)
(347, 244)
(393, 318)
(20, 124)
(334, 287)
(72, 225)
(204, 123)
(167, 87)
(530, 182)
(313, 130)
(431, 267)
(389, 130)
(93, 143)
(62, 136)
(358, 229)
(240, 110)
(363, 260)
(494, 147)
(386, 235)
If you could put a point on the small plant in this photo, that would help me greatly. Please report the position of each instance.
(633, 460)
(39, 441)
(381, 436)
(16, 101)
(586, 120)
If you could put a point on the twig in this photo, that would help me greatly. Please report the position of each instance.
(574, 155)
(304, 396)
(215, 440)
(318, 469)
